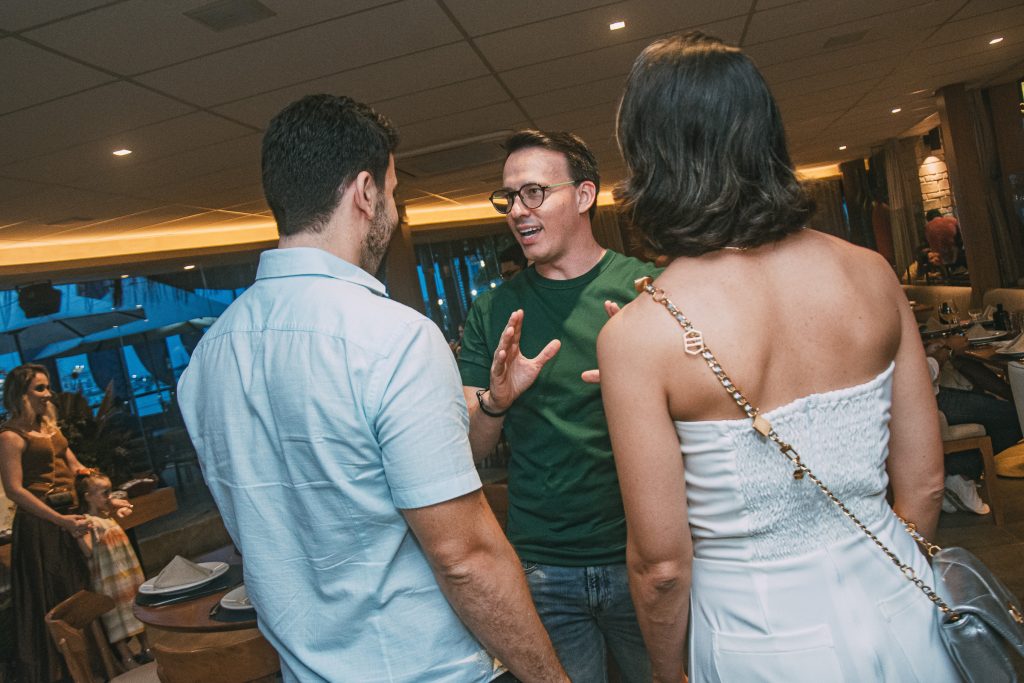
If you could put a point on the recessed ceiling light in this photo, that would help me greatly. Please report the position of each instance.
(616, 25)
(190, 266)
(842, 147)
(124, 276)
(897, 110)
(996, 40)
(122, 152)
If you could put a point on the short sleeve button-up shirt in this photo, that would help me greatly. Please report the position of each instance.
(319, 409)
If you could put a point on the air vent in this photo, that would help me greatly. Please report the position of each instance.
(224, 15)
(454, 156)
(844, 39)
(71, 220)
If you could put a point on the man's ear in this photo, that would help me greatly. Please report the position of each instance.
(364, 193)
(586, 195)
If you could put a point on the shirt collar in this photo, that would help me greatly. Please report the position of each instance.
(310, 261)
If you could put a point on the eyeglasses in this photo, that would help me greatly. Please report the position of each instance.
(531, 194)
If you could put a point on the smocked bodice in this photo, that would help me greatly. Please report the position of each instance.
(744, 503)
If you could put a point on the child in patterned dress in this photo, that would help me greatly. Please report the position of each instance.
(113, 566)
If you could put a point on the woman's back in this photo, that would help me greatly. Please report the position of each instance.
(805, 315)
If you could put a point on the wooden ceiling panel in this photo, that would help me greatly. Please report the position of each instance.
(839, 17)
(306, 54)
(480, 17)
(990, 24)
(567, 99)
(442, 101)
(94, 160)
(489, 119)
(595, 65)
(161, 34)
(388, 79)
(31, 75)
(18, 16)
(533, 43)
(90, 115)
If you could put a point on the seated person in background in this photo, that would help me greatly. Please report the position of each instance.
(114, 568)
(511, 261)
(943, 235)
(968, 392)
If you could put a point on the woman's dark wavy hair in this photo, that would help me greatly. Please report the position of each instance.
(705, 151)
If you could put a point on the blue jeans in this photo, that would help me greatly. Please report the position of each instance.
(588, 612)
(997, 416)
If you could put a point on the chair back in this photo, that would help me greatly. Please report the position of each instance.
(72, 625)
(227, 657)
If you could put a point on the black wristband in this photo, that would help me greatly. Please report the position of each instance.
(485, 409)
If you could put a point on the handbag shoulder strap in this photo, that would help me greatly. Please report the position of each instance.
(694, 345)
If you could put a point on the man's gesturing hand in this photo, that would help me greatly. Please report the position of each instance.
(512, 373)
(594, 376)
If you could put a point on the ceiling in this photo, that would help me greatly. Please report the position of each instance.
(82, 78)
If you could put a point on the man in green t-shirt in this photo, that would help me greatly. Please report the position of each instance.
(525, 351)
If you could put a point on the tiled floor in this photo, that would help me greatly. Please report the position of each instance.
(1001, 548)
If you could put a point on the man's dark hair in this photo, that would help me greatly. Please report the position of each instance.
(705, 151)
(313, 149)
(513, 253)
(932, 214)
(582, 164)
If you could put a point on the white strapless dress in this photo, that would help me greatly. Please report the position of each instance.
(786, 588)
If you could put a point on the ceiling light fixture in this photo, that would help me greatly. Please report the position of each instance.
(996, 40)
(190, 266)
(122, 152)
(897, 110)
(842, 148)
(125, 276)
(616, 25)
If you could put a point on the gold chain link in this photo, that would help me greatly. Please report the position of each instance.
(800, 469)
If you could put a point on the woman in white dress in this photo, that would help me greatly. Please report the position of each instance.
(818, 334)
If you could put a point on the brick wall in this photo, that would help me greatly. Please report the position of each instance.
(931, 171)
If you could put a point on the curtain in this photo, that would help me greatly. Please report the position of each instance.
(154, 357)
(988, 156)
(828, 215)
(858, 203)
(903, 182)
(106, 367)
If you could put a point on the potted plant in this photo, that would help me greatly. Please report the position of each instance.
(98, 439)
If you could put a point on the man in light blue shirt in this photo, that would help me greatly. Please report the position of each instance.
(332, 432)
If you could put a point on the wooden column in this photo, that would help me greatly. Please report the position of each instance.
(403, 282)
(969, 188)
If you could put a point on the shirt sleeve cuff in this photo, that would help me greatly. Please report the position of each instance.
(436, 492)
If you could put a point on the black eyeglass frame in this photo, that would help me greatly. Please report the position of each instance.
(510, 195)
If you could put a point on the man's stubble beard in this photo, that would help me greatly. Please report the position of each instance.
(377, 237)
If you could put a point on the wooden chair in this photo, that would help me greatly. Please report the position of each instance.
(223, 657)
(80, 639)
(967, 437)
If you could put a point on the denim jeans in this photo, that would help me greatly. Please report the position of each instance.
(588, 613)
(998, 417)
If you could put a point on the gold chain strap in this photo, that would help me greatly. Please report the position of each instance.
(693, 344)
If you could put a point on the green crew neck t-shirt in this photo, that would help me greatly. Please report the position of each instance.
(565, 508)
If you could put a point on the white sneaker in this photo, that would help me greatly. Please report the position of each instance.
(963, 495)
(947, 506)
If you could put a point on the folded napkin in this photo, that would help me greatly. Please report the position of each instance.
(180, 572)
(976, 331)
(1015, 346)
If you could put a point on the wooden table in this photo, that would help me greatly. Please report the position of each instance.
(190, 646)
(194, 615)
(987, 355)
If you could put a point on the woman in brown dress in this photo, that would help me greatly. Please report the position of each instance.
(38, 471)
